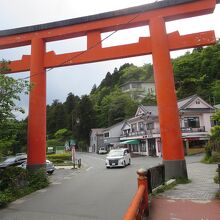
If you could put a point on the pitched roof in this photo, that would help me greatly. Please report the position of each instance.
(185, 103)
(152, 110)
(182, 104)
(97, 130)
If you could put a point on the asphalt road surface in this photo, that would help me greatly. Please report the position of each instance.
(93, 192)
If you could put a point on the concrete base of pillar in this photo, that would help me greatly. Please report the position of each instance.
(175, 169)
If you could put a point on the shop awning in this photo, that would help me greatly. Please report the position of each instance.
(130, 142)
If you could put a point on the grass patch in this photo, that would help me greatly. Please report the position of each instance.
(163, 188)
(183, 181)
(59, 158)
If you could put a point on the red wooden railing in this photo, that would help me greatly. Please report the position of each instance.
(138, 208)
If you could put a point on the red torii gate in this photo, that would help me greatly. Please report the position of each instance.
(159, 44)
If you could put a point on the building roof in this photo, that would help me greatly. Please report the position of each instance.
(186, 102)
(183, 104)
(97, 130)
(115, 125)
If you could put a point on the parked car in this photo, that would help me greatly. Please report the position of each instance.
(49, 166)
(118, 158)
(102, 150)
(13, 161)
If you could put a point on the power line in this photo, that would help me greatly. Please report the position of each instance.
(85, 51)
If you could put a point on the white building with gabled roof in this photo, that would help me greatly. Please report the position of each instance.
(143, 130)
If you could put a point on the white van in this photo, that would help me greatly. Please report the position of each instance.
(118, 158)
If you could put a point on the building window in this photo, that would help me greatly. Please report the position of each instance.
(136, 85)
(197, 101)
(106, 134)
(133, 127)
(191, 122)
(150, 126)
(126, 87)
(135, 147)
(141, 126)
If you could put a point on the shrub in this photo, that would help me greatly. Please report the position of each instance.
(13, 178)
(16, 182)
(215, 157)
(216, 179)
(37, 179)
(59, 158)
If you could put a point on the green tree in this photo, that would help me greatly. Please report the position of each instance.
(55, 117)
(10, 90)
(216, 91)
(215, 133)
(196, 72)
(150, 99)
(115, 107)
(10, 129)
(70, 106)
(85, 119)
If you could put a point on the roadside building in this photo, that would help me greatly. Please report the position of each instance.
(142, 132)
(96, 139)
(137, 90)
(111, 135)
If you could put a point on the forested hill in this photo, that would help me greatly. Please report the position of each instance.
(195, 73)
(199, 73)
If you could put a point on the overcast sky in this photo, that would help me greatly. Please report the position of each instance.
(79, 79)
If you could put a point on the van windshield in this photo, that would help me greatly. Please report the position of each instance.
(116, 153)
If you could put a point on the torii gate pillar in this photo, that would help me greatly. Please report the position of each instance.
(37, 107)
(173, 152)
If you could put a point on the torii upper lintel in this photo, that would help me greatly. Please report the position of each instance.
(159, 44)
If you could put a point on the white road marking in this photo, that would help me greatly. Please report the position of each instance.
(89, 168)
(42, 190)
(56, 183)
(67, 178)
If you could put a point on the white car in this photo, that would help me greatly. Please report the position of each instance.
(102, 150)
(118, 158)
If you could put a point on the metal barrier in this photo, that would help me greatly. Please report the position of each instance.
(155, 177)
(138, 208)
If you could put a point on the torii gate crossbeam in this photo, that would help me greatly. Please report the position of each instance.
(159, 44)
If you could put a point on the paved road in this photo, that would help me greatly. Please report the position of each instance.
(92, 192)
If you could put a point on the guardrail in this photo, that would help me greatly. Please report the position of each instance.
(138, 208)
(147, 181)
